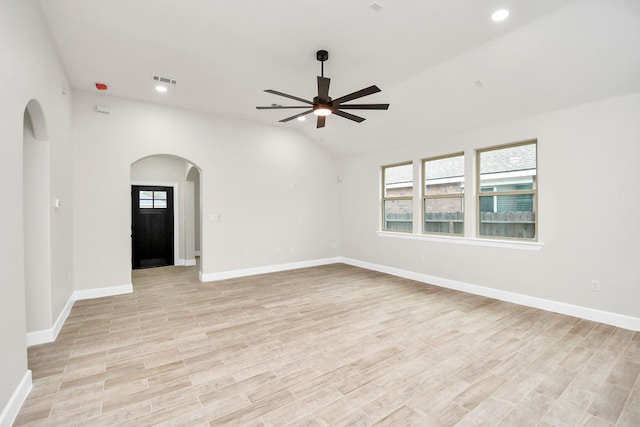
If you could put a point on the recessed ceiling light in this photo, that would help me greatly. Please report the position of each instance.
(302, 118)
(500, 15)
(161, 89)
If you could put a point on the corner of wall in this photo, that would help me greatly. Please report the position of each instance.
(49, 335)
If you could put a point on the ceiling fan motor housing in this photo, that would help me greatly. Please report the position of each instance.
(322, 55)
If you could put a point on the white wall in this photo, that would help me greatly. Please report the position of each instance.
(587, 165)
(29, 69)
(268, 195)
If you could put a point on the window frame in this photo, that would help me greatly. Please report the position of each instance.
(384, 197)
(153, 199)
(425, 196)
(496, 193)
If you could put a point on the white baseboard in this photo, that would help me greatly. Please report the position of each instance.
(40, 337)
(10, 411)
(49, 335)
(609, 318)
(102, 292)
(186, 262)
(233, 274)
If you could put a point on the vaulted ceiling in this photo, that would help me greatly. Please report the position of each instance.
(444, 66)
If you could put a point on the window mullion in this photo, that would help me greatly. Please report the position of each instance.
(470, 199)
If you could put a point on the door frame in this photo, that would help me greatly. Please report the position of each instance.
(176, 213)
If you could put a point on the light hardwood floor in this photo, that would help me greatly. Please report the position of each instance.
(333, 345)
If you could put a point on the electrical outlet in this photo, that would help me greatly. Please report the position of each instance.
(595, 286)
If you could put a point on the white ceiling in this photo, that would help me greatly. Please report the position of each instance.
(427, 56)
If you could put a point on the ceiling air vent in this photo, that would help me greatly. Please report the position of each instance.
(165, 80)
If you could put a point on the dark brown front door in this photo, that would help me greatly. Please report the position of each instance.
(151, 226)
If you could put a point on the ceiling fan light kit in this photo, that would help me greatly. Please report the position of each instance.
(321, 110)
(322, 105)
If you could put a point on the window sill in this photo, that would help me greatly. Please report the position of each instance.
(509, 244)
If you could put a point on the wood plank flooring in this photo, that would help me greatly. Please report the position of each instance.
(327, 346)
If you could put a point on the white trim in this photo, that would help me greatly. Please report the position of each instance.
(189, 262)
(509, 244)
(179, 262)
(62, 317)
(10, 411)
(49, 335)
(607, 317)
(102, 292)
(176, 211)
(196, 253)
(40, 337)
(233, 274)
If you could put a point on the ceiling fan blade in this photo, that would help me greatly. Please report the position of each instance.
(321, 121)
(304, 113)
(275, 92)
(323, 87)
(358, 94)
(363, 106)
(280, 107)
(349, 116)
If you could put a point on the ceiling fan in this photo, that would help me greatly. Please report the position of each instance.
(322, 105)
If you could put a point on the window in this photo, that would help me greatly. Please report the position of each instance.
(152, 199)
(507, 191)
(397, 197)
(443, 194)
(504, 200)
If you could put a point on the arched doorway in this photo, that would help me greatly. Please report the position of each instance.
(37, 226)
(164, 172)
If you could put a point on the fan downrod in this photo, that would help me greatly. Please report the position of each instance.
(322, 55)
